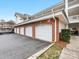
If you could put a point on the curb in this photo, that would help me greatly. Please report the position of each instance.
(40, 52)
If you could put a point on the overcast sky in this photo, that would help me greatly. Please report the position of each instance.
(9, 7)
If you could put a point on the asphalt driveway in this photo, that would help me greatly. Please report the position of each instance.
(13, 46)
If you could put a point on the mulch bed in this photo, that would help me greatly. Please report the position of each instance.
(61, 44)
(54, 51)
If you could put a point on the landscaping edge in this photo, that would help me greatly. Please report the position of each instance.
(34, 56)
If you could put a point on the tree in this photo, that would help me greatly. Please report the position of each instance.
(11, 22)
(2, 20)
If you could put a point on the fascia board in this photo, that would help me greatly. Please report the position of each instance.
(42, 18)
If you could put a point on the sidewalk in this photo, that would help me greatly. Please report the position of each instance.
(72, 49)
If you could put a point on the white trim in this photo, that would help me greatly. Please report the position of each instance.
(36, 55)
(42, 18)
(74, 6)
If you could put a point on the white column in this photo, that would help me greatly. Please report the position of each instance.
(66, 7)
(66, 10)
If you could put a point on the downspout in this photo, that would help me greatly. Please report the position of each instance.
(55, 30)
(65, 12)
(55, 26)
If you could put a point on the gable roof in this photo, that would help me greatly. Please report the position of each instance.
(58, 8)
(23, 16)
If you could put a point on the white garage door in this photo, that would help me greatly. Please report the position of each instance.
(28, 31)
(22, 30)
(17, 30)
(61, 26)
(44, 32)
(14, 30)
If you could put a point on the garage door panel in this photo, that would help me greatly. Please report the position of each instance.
(17, 30)
(28, 31)
(22, 30)
(14, 30)
(44, 32)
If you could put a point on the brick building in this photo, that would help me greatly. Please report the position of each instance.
(48, 23)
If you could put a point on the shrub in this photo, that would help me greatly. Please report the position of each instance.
(65, 35)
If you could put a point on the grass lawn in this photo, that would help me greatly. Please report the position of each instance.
(52, 53)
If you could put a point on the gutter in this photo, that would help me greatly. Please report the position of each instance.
(40, 19)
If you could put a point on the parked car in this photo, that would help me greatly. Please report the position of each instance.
(76, 32)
